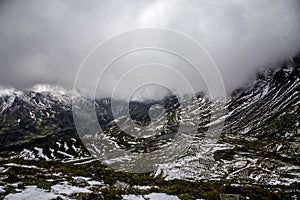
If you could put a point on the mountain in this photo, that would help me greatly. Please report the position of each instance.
(259, 143)
(43, 116)
(269, 105)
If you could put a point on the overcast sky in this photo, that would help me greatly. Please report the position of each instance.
(46, 41)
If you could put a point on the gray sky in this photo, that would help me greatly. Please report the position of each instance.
(46, 41)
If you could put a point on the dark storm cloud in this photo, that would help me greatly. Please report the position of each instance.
(46, 41)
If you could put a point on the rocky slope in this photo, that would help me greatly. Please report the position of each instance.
(260, 143)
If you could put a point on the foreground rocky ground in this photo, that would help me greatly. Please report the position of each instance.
(88, 179)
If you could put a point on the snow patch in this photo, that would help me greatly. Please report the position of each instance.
(27, 154)
(66, 189)
(66, 146)
(96, 183)
(2, 190)
(152, 196)
(33, 193)
(23, 166)
(40, 153)
(65, 154)
(142, 187)
(58, 144)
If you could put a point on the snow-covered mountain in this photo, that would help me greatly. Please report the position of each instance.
(259, 143)
(270, 104)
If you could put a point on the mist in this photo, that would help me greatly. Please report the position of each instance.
(45, 42)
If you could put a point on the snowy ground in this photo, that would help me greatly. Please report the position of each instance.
(59, 190)
(152, 196)
(34, 193)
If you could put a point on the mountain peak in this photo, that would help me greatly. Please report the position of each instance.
(52, 89)
(9, 92)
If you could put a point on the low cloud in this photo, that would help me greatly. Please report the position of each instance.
(46, 41)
